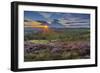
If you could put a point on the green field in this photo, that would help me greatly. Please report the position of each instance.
(70, 34)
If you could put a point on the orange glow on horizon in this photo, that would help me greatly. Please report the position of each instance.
(38, 26)
(35, 24)
(45, 26)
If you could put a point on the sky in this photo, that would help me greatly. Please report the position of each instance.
(58, 19)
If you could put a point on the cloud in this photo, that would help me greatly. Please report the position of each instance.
(47, 16)
(75, 22)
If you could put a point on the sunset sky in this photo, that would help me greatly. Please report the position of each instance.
(57, 19)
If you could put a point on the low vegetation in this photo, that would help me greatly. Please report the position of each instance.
(62, 44)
